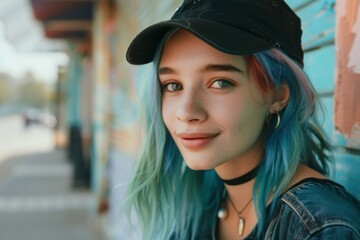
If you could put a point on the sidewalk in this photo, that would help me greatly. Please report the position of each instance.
(38, 203)
(15, 139)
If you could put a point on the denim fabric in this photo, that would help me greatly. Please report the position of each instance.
(314, 209)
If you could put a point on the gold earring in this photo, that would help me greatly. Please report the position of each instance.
(278, 120)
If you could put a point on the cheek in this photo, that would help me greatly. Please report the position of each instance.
(249, 120)
(167, 112)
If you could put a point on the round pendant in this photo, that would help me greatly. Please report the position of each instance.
(222, 213)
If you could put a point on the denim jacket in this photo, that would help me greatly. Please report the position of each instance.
(314, 209)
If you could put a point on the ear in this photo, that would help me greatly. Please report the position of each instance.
(280, 98)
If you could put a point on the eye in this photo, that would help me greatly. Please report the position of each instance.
(172, 87)
(221, 83)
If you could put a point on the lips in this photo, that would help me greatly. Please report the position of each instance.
(196, 140)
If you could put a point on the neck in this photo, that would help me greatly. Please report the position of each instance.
(241, 193)
(241, 197)
(242, 164)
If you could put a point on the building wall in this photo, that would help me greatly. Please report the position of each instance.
(346, 97)
(123, 84)
(322, 64)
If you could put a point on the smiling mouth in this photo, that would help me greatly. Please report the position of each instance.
(196, 140)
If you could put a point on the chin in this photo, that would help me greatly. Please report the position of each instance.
(198, 165)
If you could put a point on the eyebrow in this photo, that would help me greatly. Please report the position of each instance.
(222, 68)
(166, 70)
(206, 68)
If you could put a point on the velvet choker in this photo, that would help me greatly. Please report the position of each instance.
(242, 179)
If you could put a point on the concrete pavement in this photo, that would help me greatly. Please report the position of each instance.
(15, 139)
(38, 203)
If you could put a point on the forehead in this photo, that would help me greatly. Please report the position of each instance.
(182, 44)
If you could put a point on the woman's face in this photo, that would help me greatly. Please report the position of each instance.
(210, 105)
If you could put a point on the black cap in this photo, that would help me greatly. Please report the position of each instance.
(232, 26)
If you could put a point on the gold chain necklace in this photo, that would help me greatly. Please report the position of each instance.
(241, 223)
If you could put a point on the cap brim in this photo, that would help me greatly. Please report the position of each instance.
(232, 40)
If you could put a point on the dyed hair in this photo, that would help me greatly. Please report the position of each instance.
(174, 202)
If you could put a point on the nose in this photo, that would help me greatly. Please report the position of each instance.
(191, 108)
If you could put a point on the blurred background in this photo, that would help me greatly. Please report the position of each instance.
(69, 129)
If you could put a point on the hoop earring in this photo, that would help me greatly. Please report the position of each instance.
(278, 120)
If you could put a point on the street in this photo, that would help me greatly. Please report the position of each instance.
(16, 140)
(36, 198)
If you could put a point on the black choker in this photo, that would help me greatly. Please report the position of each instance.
(242, 179)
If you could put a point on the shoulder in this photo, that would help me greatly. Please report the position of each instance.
(314, 208)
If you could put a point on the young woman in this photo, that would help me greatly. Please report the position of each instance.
(231, 150)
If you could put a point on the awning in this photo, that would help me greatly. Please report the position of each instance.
(65, 19)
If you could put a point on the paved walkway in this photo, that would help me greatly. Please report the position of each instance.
(38, 203)
(15, 139)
